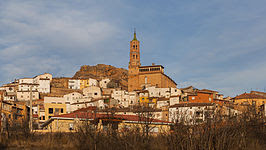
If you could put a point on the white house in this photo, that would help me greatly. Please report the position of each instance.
(72, 98)
(174, 100)
(10, 92)
(93, 82)
(123, 97)
(92, 91)
(25, 95)
(74, 84)
(191, 113)
(44, 81)
(103, 83)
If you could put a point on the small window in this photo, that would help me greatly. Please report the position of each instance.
(51, 110)
(62, 110)
(95, 93)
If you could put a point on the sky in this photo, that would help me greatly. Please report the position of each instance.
(212, 44)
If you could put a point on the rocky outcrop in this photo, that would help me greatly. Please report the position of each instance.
(118, 76)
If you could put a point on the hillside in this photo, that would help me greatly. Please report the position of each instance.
(118, 76)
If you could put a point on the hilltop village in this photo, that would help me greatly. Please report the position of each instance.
(60, 104)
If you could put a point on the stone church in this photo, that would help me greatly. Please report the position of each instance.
(140, 77)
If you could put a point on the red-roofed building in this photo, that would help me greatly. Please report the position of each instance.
(250, 99)
(101, 120)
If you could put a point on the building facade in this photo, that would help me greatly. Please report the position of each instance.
(141, 76)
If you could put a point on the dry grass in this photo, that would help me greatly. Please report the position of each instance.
(234, 134)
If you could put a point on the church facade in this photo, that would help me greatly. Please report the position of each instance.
(140, 77)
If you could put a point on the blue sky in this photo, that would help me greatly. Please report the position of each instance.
(217, 44)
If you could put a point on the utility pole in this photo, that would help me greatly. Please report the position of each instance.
(31, 108)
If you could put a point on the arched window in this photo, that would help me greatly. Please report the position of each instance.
(133, 56)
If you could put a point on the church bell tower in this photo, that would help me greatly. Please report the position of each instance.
(134, 64)
(134, 53)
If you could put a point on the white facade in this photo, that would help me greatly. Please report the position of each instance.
(25, 95)
(92, 91)
(81, 103)
(93, 82)
(163, 92)
(103, 83)
(74, 84)
(133, 98)
(27, 86)
(44, 81)
(122, 97)
(25, 80)
(190, 114)
(44, 76)
(162, 103)
(10, 93)
(71, 98)
(174, 100)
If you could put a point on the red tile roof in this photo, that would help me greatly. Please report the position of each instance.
(249, 96)
(191, 105)
(90, 115)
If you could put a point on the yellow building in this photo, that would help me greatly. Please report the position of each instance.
(84, 83)
(13, 113)
(251, 99)
(54, 110)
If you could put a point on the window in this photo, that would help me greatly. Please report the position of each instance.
(56, 110)
(51, 110)
(43, 117)
(95, 93)
(62, 110)
(71, 127)
(193, 98)
(146, 80)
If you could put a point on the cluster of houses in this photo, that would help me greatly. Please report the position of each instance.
(92, 100)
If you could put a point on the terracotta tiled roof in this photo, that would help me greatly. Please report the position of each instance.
(249, 96)
(35, 115)
(163, 99)
(191, 105)
(89, 115)
(207, 91)
(86, 109)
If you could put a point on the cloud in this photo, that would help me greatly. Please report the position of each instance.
(39, 38)
(209, 44)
